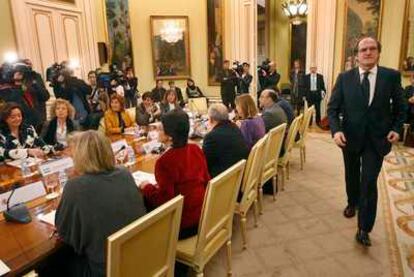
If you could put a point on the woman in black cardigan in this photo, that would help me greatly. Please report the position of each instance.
(56, 131)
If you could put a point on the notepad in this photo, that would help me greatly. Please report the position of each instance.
(141, 176)
(3, 268)
(48, 218)
(30, 162)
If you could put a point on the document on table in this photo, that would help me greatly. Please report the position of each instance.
(3, 268)
(30, 162)
(22, 195)
(48, 218)
(141, 176)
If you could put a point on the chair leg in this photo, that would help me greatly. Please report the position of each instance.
(243, 230)
(274, 183)
(255, 212)
(260, 198)
(283, 177)
(304, 153)
(288, 170)
(301, 158)
(229, 270)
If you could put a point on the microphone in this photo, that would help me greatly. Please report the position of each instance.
(18, 213)
(120, 150)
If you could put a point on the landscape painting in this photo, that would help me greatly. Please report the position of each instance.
(363, 18)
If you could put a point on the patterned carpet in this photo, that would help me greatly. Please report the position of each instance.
(397, 189)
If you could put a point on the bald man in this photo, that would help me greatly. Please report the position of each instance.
(370, 100)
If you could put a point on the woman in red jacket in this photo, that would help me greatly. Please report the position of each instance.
(182, 169)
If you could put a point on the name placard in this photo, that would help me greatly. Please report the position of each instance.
(55, 166)
(22, 195)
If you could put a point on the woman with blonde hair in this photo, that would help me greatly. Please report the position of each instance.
(56, 131)
(117, 120)
(101, 200)
(251, 125)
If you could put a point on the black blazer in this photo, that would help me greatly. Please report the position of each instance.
(223, 147)
(362, 123)
(49, 130)
(244, 83)
(320, 86)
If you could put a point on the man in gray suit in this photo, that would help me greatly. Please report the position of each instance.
(273, 115)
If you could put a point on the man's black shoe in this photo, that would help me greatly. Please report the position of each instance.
(362, 238)
(349, 211)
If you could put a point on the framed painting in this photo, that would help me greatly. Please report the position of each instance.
(363, 18)
(407, 44)
(119, 33)
(170, 47)
(215, 39)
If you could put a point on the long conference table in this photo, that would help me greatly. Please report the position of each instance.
(23, 246)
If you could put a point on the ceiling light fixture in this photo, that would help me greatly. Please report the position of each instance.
(296, 10)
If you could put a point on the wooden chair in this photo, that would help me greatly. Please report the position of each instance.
(198, 105)
(131, 113)
(303, 132)
(289, 142)
(216, 220)
(147, 246)
(270, 164)
(250, 185)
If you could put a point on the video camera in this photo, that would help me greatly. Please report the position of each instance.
(53, 72)
(237, 67)
(7, 71)
(265, 66)
(104, 78)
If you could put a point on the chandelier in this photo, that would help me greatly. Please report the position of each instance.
(172, 32)
(296, 10)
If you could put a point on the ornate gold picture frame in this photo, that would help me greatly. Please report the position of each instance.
(170, 42)
(407, 43)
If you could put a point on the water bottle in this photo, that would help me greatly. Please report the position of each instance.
(63, 178)
(25, 167)
(131, 155)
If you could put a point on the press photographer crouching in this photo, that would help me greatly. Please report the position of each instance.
(69, 87)
(21, 85)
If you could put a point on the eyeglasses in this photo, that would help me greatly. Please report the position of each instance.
(371, 49)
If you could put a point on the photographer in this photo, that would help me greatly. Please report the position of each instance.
(99, 99)
(16, 86)
(130, 87)
(228, 81)
(74, 90)
(270, 78)
(244, 79)
(37, 88)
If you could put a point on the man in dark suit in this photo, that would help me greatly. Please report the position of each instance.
(224, 145)
(271, 78)
(228, 82)
(296, 78)
(244, 80)
(158, 92)
(370, 100)
(315, 91)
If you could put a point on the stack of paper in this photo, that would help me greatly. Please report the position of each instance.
(3, 268)
(48, 218)
(141, 176)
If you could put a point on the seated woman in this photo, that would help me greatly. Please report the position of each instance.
(116, 118)
(19, 139)
(147, 112)
(56, 131)
(100, 201)
(192, 90)
(182, 169)
(251, 125)
(170, 102)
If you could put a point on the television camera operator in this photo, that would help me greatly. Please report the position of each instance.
(99, 99)
(131, 88)
(244, 78)
(268, 75)
(20, 84)
(69, 87)
(228, 82)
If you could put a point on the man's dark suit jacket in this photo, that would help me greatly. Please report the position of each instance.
(320, 86)
(244, 83)
(362, 123)
(223, 147)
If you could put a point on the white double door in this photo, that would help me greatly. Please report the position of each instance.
(55, 31)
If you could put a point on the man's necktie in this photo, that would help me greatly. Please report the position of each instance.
(366, 87)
